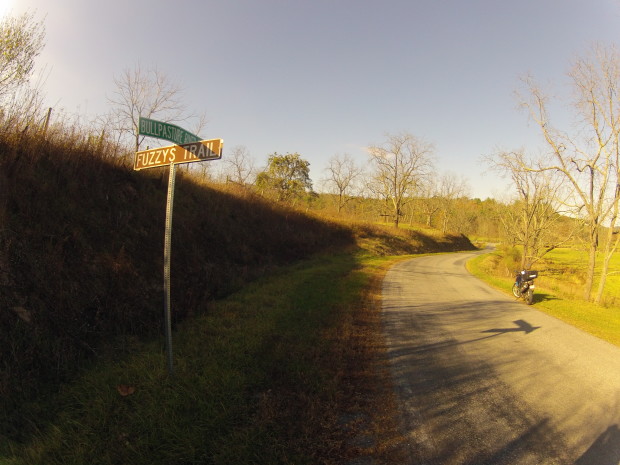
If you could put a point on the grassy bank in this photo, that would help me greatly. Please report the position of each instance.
(273, 374)
(276, 330)
(81, 257)
(287, 370)
(600, 321)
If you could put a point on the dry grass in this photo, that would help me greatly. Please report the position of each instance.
(290, 370)
(80, 272)
(81, 256)
(369, 410)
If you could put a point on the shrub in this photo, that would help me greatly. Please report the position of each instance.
(511, 260)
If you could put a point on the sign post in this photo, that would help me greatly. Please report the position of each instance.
(190, 148)
(167, 249)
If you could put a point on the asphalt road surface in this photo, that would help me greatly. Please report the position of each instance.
(482, 378)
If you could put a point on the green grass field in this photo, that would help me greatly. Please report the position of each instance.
(600, 321)
(564, 262)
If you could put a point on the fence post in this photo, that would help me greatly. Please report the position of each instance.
(47, 120)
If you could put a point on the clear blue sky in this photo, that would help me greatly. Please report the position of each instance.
(326, 77)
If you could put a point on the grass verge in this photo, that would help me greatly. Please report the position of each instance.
(288, 370)
(602, 322)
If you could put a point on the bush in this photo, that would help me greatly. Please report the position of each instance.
(511, 260)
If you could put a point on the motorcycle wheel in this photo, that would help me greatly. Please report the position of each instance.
(529, 297)
(515, 290)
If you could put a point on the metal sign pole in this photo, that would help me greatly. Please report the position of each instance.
(189, 148)
(167, 241)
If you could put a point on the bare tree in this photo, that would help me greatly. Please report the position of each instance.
(588, 160)
(21, 41)
(532, 218)
(23, 106)
(428, 200)
(21, 101)
(342, 176)
(450, 188)
(149, 94)
(240, 166)
(400, 165)
(597, 78)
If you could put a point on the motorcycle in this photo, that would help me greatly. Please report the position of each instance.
(524, 285)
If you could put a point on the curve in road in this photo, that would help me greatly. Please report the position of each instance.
(484, 379)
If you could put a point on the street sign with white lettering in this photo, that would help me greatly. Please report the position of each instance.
(189, 149)
(167, 131)
(175, 154)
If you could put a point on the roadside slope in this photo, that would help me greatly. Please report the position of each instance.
(81, 254)
(81, 250)
(289, 369)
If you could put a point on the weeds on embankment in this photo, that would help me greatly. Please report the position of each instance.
(265, 376)
(81, 248)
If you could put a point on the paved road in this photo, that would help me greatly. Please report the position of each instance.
(484, 379)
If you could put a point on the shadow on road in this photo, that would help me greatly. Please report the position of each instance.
(521, 326)
(604, 451)
(477, 384)
(454, 408)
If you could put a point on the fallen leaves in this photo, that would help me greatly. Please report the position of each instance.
(125, 390)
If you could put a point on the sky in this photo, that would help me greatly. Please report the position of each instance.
(330, 77)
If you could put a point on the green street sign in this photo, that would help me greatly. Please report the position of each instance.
(167, 131)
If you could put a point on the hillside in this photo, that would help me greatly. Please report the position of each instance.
(81, 254)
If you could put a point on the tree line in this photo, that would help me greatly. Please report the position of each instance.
(570, 189)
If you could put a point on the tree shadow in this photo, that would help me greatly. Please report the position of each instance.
(522, 325)
(604, 451)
